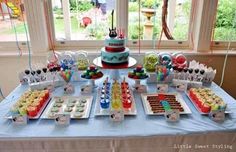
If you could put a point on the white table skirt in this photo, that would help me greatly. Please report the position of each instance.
(209, 142)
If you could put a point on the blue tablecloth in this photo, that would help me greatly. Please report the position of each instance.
(139, 125)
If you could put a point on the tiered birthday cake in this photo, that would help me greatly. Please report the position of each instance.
(115, 52)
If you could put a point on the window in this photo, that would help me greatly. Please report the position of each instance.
(11, 24)
(225, 25)
(83, 24)
(224, 30)
(77, 21)
(82, 19)
(151, 15)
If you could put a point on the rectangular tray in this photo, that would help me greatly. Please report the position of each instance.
(86, 112)
(9, 114)
(105, 112)
(148, 110)
(198, 109)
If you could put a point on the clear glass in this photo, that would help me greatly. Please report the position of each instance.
(177, 20)
(225, 25)
(89, 19)
(12, 21)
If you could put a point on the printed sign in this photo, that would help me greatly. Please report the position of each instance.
(181, 86)
(172, 115)
(116, 115)
(217, 115)
(23, 79)
(62, 119)
(162, 88)
(19, 119)
(86, 89)
(140, 88)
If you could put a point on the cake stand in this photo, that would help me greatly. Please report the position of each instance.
(138, 81)
(114, 69)
(92, 81)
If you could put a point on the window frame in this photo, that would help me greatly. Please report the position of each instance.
(202, 31)
(122, 22)
(37, 33)
(221, 44)
(11, 46)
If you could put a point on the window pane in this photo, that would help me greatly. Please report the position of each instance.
(177, 20)
(82, 19)
(13, 23)
(225, 26)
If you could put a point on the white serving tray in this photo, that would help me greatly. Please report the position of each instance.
(199, 110)
(86, 112)
(9, 114)
(105, 112)
(179, 98)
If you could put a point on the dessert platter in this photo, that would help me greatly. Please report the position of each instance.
(92, 74)
(154, 103)
(205, 100)
(77, 107)
(115, 96)
(31, 103)
(138, 74)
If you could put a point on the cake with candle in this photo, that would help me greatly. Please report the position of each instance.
(115, 52)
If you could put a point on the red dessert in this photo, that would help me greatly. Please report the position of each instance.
(32, 111)
(92, 67)
(139, 68)
(127, 103)
(206, 100)
(126, 96)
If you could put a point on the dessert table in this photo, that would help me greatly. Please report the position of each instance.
(193, 132)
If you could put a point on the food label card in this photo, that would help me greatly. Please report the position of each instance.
(152, 78)
(217, 115)
(86, 89)
(162, 88)
(62, 119)
(194, 84)
(116, 115)
(23, 79)
(182, 87)
(19, 119)
(172, 115)
(140, 88)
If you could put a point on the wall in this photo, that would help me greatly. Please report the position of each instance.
(11, 65)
